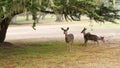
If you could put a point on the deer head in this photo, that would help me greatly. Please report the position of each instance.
(83, 31)
(65, 30)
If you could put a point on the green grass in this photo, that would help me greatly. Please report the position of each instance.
(51, 54)
(47, 19)
(106, 25)
(24, 53)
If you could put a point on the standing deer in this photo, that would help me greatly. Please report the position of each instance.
(92, 37)
(69, 38)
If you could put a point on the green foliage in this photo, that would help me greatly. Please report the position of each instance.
(73, 9)
(70, 9)
(108, 13)
(10, 8)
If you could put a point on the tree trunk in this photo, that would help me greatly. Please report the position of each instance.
(114, 3)
(27, 16)
(3, 29)
(59, 18)
(14, 19)
(41, 16)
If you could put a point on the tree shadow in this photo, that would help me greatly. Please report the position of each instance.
(7, 45)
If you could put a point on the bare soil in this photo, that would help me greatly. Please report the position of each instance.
(54, 32)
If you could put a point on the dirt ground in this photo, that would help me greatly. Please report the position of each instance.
(48, 32)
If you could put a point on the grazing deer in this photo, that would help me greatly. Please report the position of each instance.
(92, 37)
(69, 38)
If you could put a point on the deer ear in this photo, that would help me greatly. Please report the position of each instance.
(67, 28)
(62, 28)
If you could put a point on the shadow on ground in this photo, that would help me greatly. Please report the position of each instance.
(7, 45)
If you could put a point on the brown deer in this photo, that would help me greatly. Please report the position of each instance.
(92, 37)
(69, 38)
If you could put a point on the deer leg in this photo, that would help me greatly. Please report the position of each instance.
(85, 42)
(71, 43)
(67, 46)
(103, 41)
(94, 43)
(70, 47)
(97, 42)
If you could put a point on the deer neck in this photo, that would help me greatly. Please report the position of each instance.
(84, 33)
(66, 35)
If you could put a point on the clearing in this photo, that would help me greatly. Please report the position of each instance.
(45, 48)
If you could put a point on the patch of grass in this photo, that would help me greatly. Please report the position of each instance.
(106, 25)
(51, 51)
(52, 54)
(47, 19)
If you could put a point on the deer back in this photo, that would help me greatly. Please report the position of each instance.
(89, 36)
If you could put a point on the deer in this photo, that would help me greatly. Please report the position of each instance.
(92, 37)
(69, 38)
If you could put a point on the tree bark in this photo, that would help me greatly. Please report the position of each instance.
(3, 28)
(14, 19)
(114, 3)
(27, 16)
(59, 18)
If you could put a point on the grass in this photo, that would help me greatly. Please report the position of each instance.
(48, 18)
(25, 52)
(106, 25)
(53, 54)
(95, 25)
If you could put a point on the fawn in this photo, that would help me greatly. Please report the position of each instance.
(69, 38)
(92, 37)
